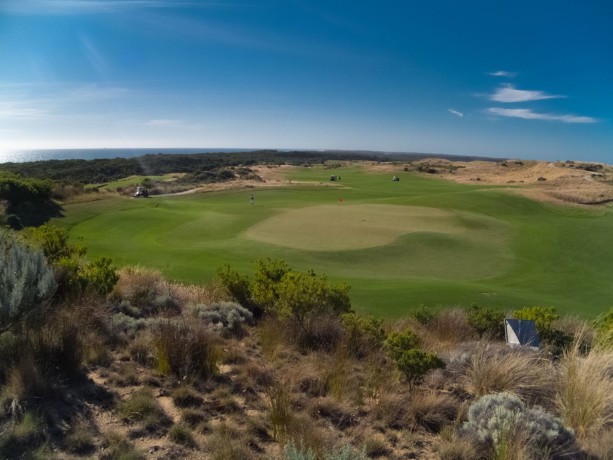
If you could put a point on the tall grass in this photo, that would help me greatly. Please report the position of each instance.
(185, 349)
(585, 391)
(499, 368)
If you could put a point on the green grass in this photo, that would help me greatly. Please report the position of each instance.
(473, 243)
(133, 181)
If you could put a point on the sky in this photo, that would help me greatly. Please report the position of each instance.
(520, 79)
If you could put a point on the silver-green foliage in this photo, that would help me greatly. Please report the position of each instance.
(26, 282)
(227, 317)
(495, 421)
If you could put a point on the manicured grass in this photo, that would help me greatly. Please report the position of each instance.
(398, 244)
(133, 181)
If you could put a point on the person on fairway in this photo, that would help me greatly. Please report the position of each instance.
(252, 199)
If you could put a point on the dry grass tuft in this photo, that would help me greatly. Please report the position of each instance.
(447, 329)
(585, 392)
(434, 410)
(185, 350)
(520, 371)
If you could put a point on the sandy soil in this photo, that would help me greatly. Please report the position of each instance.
(569, 182)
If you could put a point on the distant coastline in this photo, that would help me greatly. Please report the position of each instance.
(23, 156)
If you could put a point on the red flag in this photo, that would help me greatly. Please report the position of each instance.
(340, 199)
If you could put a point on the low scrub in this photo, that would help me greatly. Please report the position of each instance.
(185, 350)
(503, 425)
(229, 318)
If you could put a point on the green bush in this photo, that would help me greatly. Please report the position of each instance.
(99, 275)
(486, 321)
(544, 317)
(239, 287)
(603, 326)
(411, 361)
(304, 295)
(363, 334)
(267, 277)
(398, 342)
(26, 282)
(423, 314)
(415, 364)
(74, 274)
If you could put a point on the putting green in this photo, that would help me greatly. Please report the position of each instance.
(342, 228)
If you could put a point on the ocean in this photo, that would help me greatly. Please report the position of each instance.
(22, 156)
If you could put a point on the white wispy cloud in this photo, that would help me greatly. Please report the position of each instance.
(529, 114)
(95, 58)
(53, 101)
(502, 73)
(94, 6)
(164, 122)
(455, 112)
(509, 94)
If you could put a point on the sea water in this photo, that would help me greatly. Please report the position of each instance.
(22, 156)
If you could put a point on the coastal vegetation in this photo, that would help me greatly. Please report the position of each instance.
(306, 326)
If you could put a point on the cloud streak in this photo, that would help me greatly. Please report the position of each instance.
(502, 73)
(39, 7)
(529, 114)
(456, 113)
(508, 94)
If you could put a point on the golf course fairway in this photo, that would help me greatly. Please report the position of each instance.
(419, 241)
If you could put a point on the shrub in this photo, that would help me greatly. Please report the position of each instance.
(100, 275)
(423, 314)
(239, 287)
(125, 324)
(268, 275)
(502, 424)
(398, 342)
(415, 364)
(544, 317)
(486, 321)
(26, 282)
(603, 325)
(185, 350)
(363, 334)
(411, 361)
(299, 451)
(227, 317)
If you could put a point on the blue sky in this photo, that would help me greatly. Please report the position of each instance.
(526, 79)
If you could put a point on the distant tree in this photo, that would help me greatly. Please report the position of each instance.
(26, 282)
